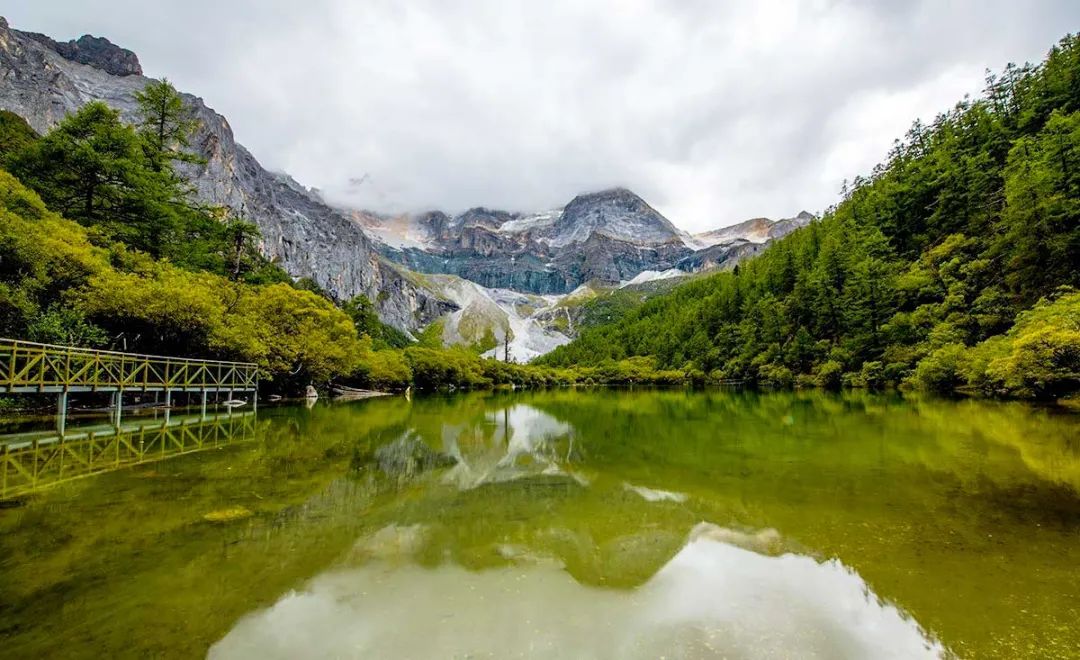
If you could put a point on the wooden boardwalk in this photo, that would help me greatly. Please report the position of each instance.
(30, 462)
(31, 368)
(27, 367)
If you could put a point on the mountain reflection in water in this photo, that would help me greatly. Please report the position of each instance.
(568, 523)
(712, 599)
(721, 595)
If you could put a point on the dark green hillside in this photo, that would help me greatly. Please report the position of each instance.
(916, 274)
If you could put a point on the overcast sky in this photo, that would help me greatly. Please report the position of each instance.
(713, 111)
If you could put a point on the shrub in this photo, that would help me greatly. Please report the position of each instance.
(830, 375)
(775, 375)
(943, 370)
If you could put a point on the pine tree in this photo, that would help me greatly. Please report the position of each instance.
(165, 124)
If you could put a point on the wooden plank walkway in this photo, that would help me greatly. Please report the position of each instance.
(30, 367)
(30, 462)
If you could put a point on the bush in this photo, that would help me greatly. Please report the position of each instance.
(830, 375)
(1043, 363)
(943, 370)
(871, 376)
(1039, 357)
(775, 375)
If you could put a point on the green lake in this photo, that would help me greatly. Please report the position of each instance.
(556, 524)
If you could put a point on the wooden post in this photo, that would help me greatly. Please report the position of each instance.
(3, 468)
(117, 407)
(61, 412)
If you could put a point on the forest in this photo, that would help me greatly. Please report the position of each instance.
(103, 245)
(953, 266)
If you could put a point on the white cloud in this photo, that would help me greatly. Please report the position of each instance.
(714, 112)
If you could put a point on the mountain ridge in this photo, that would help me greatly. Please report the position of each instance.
(299, 231)
(609, 235)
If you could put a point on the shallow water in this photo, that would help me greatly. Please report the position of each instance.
(597, 524)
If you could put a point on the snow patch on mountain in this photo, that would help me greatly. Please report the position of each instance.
(484, 314)
(529, 339)
(534, 222)
(652, 276)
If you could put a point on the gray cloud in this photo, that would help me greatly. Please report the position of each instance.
(714, 112)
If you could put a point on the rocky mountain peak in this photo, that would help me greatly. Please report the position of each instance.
(616, 212)
(484, 217)
(621, 196)
(97, 52)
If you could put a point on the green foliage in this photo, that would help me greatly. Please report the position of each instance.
(943, 370)
(382, 369)
(92, 169)
(871, 376)
(433, 368)
(42, 258)
(165, 124)
(1039, 357)
(971, 220)
(775, 375)
(1041, 243)
(15, 134)
(309, 284)
(829, 375)
(66, 326)
(295, 333)
(367, 321)
(431, 336)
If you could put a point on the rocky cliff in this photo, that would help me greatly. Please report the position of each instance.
(606, 237)
(44, 80)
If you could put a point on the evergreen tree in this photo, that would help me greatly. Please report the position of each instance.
(92, 168)
(165, 124)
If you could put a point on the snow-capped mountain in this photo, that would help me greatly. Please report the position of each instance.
(493, 274)
(610, 236)
(617, 214)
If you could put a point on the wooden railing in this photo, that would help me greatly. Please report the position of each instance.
(31, 367)
(30, 462)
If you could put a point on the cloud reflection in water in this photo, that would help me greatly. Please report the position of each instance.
(712, 599)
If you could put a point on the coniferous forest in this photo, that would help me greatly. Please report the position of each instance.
(953, 265)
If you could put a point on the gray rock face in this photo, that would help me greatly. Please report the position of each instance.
(782, 228)
(616, 213)
(724, 256)
(300, 232)
(97, 52)
(757, 230)
(605, 237)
